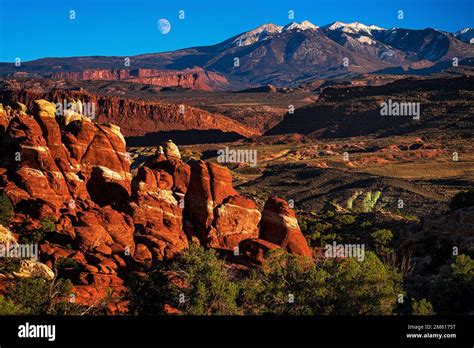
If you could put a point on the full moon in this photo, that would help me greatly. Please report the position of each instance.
(164, 26)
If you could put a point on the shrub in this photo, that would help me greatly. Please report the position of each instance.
(9, 265)
(6, 209)
(381, 240)
(37, 235)
(346, 219)
(9, 308)
(452, 292)
(462, 199)
(286, 284)
(39, 297)
(422, 307)
(196, 282)
(334, 287)
(367, 287)
(63, 265)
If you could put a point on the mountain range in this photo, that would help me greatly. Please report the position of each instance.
(287, 55)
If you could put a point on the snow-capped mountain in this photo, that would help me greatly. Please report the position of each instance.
(264, 31)
(304, 25)
(466, 35)
(257, 34)
(290, 54)
(353, 28)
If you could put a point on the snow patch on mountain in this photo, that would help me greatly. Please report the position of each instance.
(257, 34)
(353, 28)
(265, 31)
(466, 35)
(304, 25)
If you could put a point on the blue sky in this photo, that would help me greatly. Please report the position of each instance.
(32, 29)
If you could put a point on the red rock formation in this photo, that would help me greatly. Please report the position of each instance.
(280, 226)
(79, 173)
(196, 78)
(157, 215)
(215, 212)
(72, 174)
(256, 249)
(168, 158)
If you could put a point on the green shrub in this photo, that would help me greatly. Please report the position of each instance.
(422, 307)
(9, 308)
(63, 265)
(346, 219)
(6, 209)
(37, 235)
(334, 287)
(452, 292)
(196, 282)
(39, 297)
(286, 284)
(9, 265)
(381, 241)
(367, 287)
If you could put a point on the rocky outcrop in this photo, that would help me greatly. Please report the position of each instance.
(73, 174)
(6, 236)
(278, 230)
(32, 268)
(280, 226)
(216, 214)
(168, 158)
(76, 174)
(157, 215)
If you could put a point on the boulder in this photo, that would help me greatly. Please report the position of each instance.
(280, 226)
(256, 249)
(33, 268)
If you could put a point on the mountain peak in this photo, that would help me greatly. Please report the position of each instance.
(257, 34)
(466, 35)
(304, 25)
(353, 28)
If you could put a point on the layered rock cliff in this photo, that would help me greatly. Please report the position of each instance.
(134, 117)
(193, 78)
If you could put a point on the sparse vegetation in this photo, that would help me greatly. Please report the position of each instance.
(36, 235)
(6, 209)
(422, 307)
(382, 240)
(451, 291)
(37, 296)
(197, 282)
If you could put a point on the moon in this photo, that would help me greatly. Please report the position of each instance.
(164, 26)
